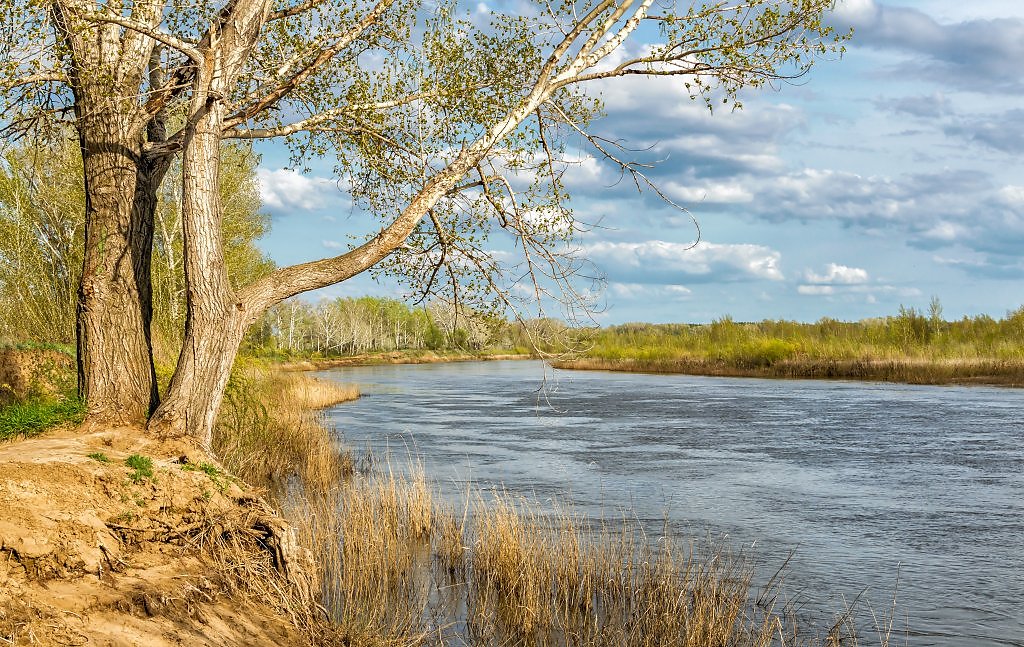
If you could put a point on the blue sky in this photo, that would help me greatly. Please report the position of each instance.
(881, 179)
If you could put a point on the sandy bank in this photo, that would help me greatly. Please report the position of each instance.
(92, 553)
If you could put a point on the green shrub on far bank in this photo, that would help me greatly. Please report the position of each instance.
(911, 346)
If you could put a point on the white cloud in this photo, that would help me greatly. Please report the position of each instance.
(857, 11)
(815, 289)
(837, 274)
(649, 292)
(716, 192)
(331, 244)
(1011, 196)
(668, 263)
(287, 189)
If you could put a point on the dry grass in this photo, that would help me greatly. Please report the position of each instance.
(269, 431)
(552, 580)
(906, 370)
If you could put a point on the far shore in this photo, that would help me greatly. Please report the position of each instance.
(394, 357)
(907, 371)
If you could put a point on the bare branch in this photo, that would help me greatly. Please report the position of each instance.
(294, 10)
(50, 76)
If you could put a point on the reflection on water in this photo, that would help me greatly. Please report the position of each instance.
(864, 480)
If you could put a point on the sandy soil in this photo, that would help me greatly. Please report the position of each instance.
(89, 556)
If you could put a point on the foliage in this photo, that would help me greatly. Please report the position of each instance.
(42, 222)
(908, 334)
(347, 326)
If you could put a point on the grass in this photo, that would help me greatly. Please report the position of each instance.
(507, 571)
(98, 456)
(908, 347)
(219, 477)
(141, 466)
(36, 415)
(269, 430)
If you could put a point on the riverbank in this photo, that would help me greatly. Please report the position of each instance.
(112, 537)
(168, 552)
(394, 357)
(992, 372)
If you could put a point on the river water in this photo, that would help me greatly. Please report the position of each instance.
(868, 483)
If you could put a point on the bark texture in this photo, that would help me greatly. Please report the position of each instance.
(105, 69)
(115, 365)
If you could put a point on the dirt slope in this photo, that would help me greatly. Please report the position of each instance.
(90, 555)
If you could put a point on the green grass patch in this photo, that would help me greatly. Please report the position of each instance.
(39, 345)
(36, 415)
(99, 456)
(142, 467)
(217, 475)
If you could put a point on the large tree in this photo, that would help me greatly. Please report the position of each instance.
(446, 130)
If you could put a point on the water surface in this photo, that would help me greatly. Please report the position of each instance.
(866, 481)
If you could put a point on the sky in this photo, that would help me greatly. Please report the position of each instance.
(884, 178)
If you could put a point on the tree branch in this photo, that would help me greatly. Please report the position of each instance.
(326, 54)
(50, 76)
(188, 49)
(294, 10)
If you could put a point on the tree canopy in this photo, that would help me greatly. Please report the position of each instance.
(447, 129)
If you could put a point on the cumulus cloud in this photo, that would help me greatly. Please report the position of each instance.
(709, 192)
(868, 292)
(837, 274)
(649, 292)
(285, 189)
(982, 55)
(667, 263)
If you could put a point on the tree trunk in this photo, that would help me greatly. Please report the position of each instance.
(115, 364)
(215, 321)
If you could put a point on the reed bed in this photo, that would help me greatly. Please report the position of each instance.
(508, 572)
(270, 432)
(909, 347)
(907, 371)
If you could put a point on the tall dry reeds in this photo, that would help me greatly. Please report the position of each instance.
(269, 430)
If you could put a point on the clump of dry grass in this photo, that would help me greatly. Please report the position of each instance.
(540, 580)
(269, 431)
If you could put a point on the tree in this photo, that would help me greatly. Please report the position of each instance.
(445, 130)
(42, 224)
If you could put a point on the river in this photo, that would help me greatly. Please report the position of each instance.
(867, 482)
